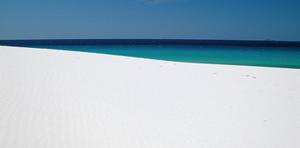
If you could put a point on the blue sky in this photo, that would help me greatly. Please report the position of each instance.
(187, 19)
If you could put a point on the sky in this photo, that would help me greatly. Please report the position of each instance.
(150, 19)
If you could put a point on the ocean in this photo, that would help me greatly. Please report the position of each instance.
(240, 54)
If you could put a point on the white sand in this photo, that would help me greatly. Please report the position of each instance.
(64, 99)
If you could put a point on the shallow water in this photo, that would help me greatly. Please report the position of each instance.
(256, 56)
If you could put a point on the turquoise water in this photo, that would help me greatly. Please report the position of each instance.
(255, 56)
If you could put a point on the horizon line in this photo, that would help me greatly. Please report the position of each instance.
(255, 43)
(191, 39)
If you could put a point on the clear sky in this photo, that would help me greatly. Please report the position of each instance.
(187, 19)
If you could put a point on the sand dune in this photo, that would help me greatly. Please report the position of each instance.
(64, 99)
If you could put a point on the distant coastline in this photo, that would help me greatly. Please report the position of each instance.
(246, 43)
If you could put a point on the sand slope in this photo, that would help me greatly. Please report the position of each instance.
(63, 99)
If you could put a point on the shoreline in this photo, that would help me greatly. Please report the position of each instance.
(59, 98)
(273, 57)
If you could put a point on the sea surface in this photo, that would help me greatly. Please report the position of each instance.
(286, 57)
(253, 53)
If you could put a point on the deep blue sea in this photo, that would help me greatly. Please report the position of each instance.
(254, 53)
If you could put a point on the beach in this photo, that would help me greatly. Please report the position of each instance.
(53, 98)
